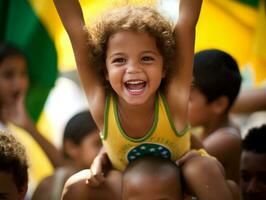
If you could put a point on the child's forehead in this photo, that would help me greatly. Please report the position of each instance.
(13, 63)
(131, 33)
(132, 40)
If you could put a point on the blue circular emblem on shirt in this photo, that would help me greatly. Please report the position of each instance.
(148, 149)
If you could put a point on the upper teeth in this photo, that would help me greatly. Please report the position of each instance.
(134, 82)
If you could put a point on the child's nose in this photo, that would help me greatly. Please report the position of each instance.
(20, 82)
(133, 67)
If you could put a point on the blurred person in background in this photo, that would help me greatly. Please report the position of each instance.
(151, 177)
(216, 84)
(14, 117)
(13, 168)
(253, 164)
(81, 143)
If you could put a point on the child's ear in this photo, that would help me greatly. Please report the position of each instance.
(220, 104)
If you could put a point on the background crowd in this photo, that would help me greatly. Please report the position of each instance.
(44, 107)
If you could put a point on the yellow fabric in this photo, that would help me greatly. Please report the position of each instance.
(238, 29)
(258, 58)
(39, 165)
(161, 140)
(220, 26)
(203, 152)
(91, 9)
(46, 128)
(234, 27)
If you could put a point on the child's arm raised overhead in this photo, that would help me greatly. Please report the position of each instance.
(178, 89)
(70, 13)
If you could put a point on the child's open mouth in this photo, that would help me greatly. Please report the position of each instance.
(135, 87)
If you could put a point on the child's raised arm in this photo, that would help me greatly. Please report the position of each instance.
(189, 11)
(178, 89)
(70, 13)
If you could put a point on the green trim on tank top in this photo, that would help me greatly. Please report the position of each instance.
(150, 132)
(167, 110)
(106, 109)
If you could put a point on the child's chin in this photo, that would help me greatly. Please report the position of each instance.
(135, 101)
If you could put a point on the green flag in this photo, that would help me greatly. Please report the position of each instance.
(22, 27)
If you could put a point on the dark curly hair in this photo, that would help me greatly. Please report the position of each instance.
(134, 18)
(8, 50)
(13, 159)
(255, 140)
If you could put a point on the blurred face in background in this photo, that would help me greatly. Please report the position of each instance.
(83, 154)
(13, 79)
(199, 110)
(253, 176)
(8, 188)
(89, 148)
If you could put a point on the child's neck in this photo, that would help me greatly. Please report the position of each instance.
(136, 121)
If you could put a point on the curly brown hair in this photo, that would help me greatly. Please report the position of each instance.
(134, 18)
(13, 159)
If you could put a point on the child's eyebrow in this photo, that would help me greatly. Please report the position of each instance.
(151, 51)
(117, 54)
(142, 52)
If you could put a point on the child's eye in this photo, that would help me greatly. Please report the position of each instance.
(8, 74)
(147, 58)
(119, 60)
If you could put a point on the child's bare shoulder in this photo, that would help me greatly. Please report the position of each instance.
(80, 176)
(226, 138)
(75, 187)
(228, 132)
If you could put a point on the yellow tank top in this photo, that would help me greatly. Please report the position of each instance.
(161, 140)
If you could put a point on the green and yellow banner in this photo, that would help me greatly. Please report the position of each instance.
(21, 25)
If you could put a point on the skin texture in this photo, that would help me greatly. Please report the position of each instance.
(131, 57)
(8, 189)
(110, 190)
(81, 158)
(197, 106)
(13, 79)
(151, 178)
(14, 83)
(253, 176)
(139, 108)
(220, 137)
(153, 188)
(250, 100)
(131, 61)
(83, 154)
